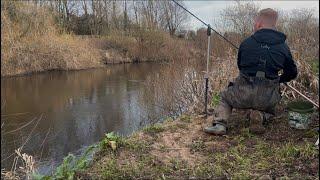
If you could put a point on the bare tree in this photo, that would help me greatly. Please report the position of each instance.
(239, 18)
(84, 7)
(151, 13)
(114, 14)
(135, 8)
(125, 16)
(174, 16)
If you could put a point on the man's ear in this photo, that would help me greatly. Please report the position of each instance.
(259, 25)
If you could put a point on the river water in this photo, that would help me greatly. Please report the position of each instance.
(55, 113)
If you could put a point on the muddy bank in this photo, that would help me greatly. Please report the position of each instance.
(179, 149)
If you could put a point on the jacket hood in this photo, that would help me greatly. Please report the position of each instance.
(269, 36)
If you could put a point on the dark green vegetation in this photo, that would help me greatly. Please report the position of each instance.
(315, 66)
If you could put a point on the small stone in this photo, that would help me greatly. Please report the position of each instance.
(265, 177)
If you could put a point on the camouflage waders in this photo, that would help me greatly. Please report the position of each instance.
(256, 93)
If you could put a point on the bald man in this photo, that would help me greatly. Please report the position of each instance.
(260, 58)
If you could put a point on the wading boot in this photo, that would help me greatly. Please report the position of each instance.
(216, 129)
(259, 121)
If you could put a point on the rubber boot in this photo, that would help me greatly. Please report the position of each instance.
(257, 120)
(216, 129)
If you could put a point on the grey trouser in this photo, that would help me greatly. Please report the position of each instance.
(256, 93)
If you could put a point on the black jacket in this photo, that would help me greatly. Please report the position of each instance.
(267, 51)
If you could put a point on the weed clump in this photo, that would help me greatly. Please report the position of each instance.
(154, 129)
(185, 118)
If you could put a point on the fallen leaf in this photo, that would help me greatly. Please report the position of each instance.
(113, 145)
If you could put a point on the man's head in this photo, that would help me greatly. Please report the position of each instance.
(266, 18)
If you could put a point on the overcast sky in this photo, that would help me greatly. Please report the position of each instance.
(210, 10)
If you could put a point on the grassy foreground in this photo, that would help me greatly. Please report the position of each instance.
(179, 149)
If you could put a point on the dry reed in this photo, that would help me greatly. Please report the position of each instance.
(31, 42)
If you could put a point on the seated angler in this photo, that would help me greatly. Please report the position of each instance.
(260, 58)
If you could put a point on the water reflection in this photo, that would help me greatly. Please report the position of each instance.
(74, 109)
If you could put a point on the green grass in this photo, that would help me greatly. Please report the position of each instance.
(69, 166)
(111, 170)
(197, 146)
(238, 162)
(167, 120)
(245, 133)
(104, 143)
(185, 118)
(264, 156)
(315, 66)
(215, 99)
(137, 145)
(154, 129)
(177, 126)
(143, 168)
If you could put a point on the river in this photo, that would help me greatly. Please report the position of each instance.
(55, 113)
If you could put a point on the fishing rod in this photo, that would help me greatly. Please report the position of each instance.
(209, 27)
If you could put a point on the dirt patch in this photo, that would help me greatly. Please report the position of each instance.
(181, 150)
(176, 145)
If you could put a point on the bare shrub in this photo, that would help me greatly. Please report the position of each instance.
(178, 90)
(145, 45)
(302, 30)
(239, 18)
(23, 171)
(31, 42)
(180, 85)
